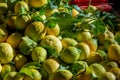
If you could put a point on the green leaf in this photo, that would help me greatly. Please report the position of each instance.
(98, 27)
(51, 51)
(51, 23)
(78, 68)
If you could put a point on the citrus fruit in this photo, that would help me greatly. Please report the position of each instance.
(53, 42)
(6, 53)
(83, 35)
(49, 12)
(19, 6)
(19, 60)
(35, 75)
(114, 52)
(39, 54)
(74, 12)
(6, 68)
(61, 75)
(3, 8)
(37, 3)
(10, 21)
(35, 31)
(50, 65)
(70, 54)
(92, 43)
(3, 34)
(85, 50)
(53, 31)
(22, 21)
(14, 39)
(68, 42)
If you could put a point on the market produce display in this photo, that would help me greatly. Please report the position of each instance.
(102, 5)
(52, 40)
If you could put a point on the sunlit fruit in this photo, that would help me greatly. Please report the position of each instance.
(61, 75)
(35, 31)
(53, 30)
(37, 3)
(114, 52)
(14, 39)
(83, 35)
(6, 52)
(19, 60)
(39, 54)
(51, 66)
(20, 6)
(70, 54)
(74, 12)
(68, 42)
(53, 42)
(49, 12)
(92, 43)
(35, 75)
(85, 50)
(97, 69)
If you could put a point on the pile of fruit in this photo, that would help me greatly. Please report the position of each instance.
(51, 40)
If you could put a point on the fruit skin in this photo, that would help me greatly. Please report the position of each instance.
(98, 69)
(108, 76)
(51, 66)
(14, 39)
(53, 31)
(36, 75)
(114, 52)
(3, 34)
(92, 43)
(50, 12)
(85, 50)
(22, 21)
(6, 68)
(6, 53)
(37, 3)
(74, 12)
(35, 31)
(61, 75)
(10, 21)
(10, 76)
(19, 60)
(39, 54)
(3, 8)
(116, 72)
(68, 42)
(53, 42)
(70, 54)
(83, 35)
(21, 5)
